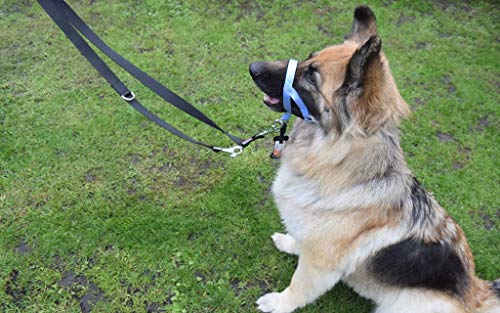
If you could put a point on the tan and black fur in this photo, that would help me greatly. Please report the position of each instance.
(351, 206)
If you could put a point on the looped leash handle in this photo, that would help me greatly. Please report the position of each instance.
(76, 29)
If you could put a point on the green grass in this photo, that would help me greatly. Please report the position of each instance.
(97, 203)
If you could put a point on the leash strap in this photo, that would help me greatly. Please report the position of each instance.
(72, 25)
(290, 92)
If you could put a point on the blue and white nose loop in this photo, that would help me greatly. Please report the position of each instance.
(290, 92)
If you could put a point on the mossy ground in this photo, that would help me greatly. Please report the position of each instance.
(103, 211)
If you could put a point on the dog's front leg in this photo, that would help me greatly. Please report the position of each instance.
(286, 243)
(308, 283)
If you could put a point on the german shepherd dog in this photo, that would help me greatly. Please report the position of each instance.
(353, 211)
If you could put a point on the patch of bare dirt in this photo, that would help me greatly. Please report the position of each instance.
(464, 152)
(23, 248)
(16, 6)
(403, 19)
(325, 11)
(421, 45)
(325, 30)
(482, 123)
(443, 137)
(89, 178)
(155, 307)
(417, 102)
(14, 289)
(451, 87)
(235, 285)
(448, 5)
(249, 8)
(486, 220)
(84, 291)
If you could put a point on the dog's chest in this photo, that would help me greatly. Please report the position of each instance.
(295, 197)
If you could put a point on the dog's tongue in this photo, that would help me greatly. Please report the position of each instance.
(271, 100)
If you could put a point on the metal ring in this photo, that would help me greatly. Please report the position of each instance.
(311, 119)
(237, 149)
(276, 125)
(129, 96)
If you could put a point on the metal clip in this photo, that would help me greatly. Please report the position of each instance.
(275, 127)
(233, 151)
(238, 149)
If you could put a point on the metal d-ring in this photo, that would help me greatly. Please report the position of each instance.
(277, 125)
(128, 96)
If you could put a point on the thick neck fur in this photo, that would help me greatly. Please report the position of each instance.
(341, 161)
(355, 170)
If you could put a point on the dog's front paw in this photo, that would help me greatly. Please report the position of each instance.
(276, 302)
(285, 243)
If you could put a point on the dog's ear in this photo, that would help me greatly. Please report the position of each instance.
(364, 25)
(361, 61)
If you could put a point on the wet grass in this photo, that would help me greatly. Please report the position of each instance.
(102, 211)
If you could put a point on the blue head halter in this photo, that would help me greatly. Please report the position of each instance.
(290, 92)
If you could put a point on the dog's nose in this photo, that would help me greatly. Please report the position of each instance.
(256, 69)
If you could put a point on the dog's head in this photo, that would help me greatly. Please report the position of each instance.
(342, 85)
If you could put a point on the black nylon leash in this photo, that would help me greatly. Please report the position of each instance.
(72, 26)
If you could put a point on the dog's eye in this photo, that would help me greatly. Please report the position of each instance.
(309, 73)
(310, 76)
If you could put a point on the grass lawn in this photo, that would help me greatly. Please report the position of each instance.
(102, 211)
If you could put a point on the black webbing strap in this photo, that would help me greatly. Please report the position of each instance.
(72, 25)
